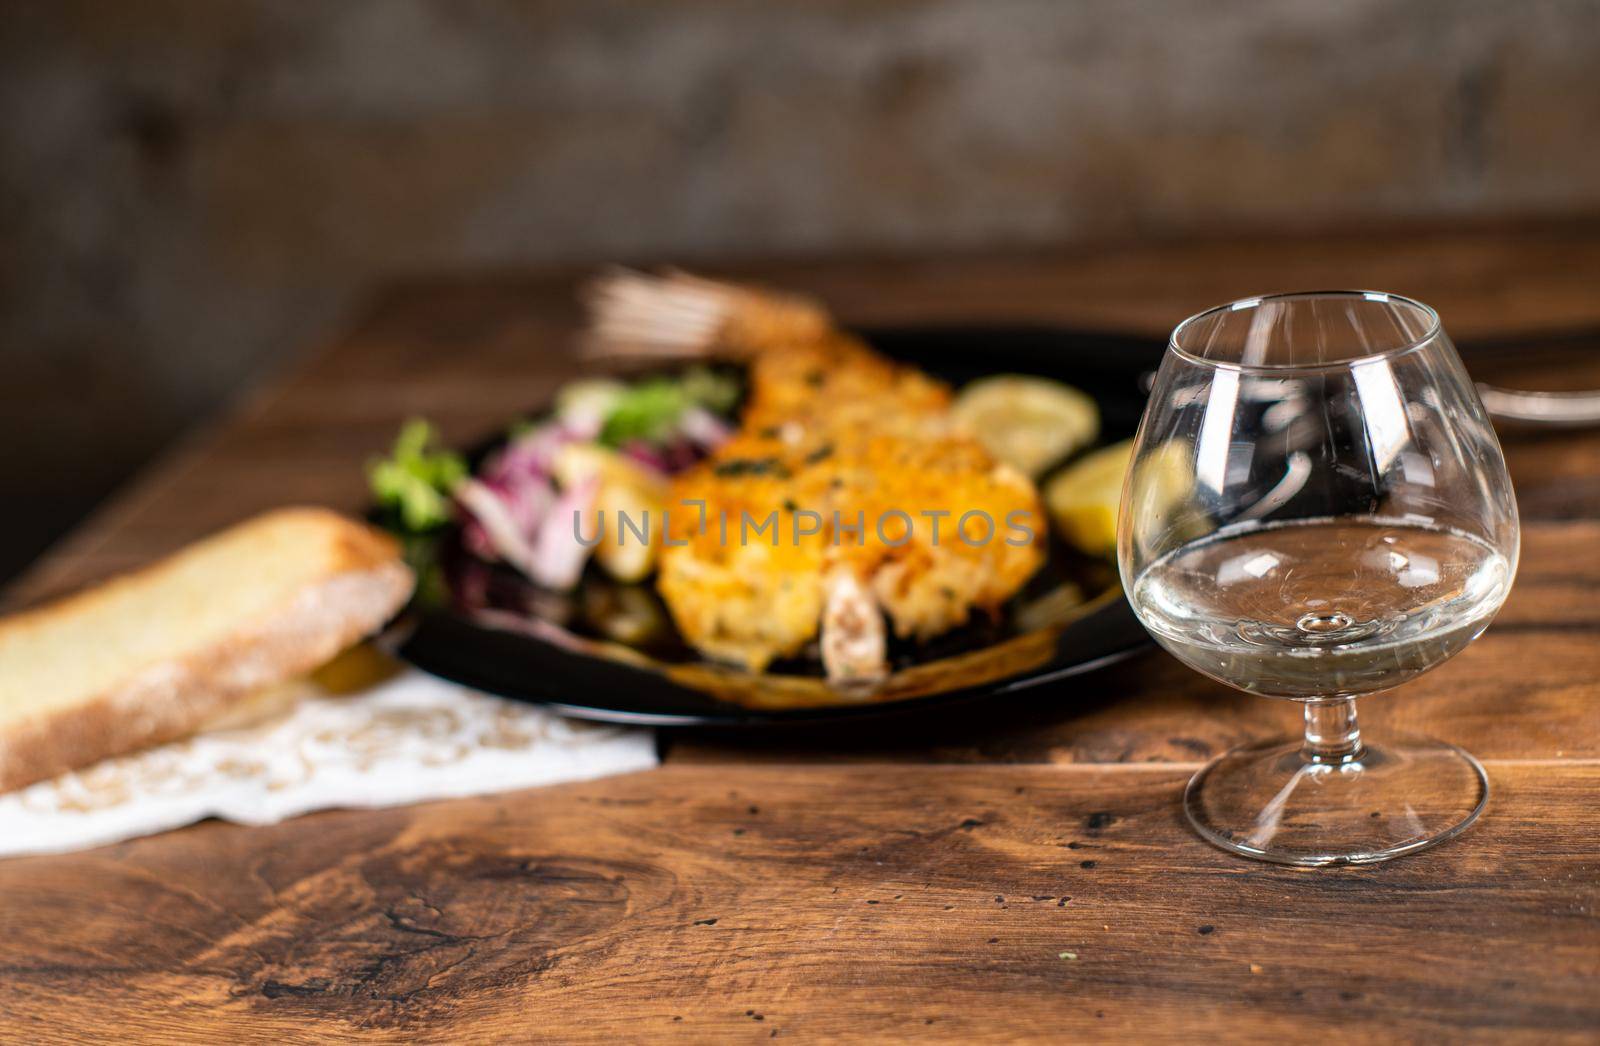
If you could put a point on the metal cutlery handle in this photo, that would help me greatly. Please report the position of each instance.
(1548, 409)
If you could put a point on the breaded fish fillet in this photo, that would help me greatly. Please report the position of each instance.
(844, 496)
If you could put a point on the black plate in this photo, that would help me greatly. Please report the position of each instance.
(541, 664)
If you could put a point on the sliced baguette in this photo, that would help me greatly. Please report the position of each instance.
(153, 655)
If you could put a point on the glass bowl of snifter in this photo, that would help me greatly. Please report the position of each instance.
(1317, 509)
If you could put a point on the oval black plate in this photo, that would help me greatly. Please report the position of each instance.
(572, 679)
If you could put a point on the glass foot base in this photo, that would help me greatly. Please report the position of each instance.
(1271, 803)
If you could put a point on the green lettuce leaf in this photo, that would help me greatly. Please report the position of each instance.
(649, 410)
(416, 480)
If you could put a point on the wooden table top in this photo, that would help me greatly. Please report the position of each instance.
(1023, 874)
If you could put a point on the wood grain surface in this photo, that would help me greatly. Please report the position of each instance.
(1038, 883)
(812, 902)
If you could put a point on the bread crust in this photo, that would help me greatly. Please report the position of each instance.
(365, 586)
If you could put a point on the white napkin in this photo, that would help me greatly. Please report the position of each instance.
(404, 740)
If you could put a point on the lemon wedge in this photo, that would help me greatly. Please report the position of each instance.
(1028, 423)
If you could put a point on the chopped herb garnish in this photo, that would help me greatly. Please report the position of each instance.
(815, 378)
(752, 467)
(822, 453)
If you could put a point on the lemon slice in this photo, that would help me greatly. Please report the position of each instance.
(1083, 500)
(1162, 509)
(1029, 423)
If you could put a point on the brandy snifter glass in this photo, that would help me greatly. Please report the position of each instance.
(1317, 509)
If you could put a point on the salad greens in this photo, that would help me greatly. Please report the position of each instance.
(650, 410)
(664, 424)
(417, 478)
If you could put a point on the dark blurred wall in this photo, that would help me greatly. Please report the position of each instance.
(191, 188)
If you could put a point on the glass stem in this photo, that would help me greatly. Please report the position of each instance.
(1332, 733)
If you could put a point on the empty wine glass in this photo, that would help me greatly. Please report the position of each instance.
(1318, 509)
